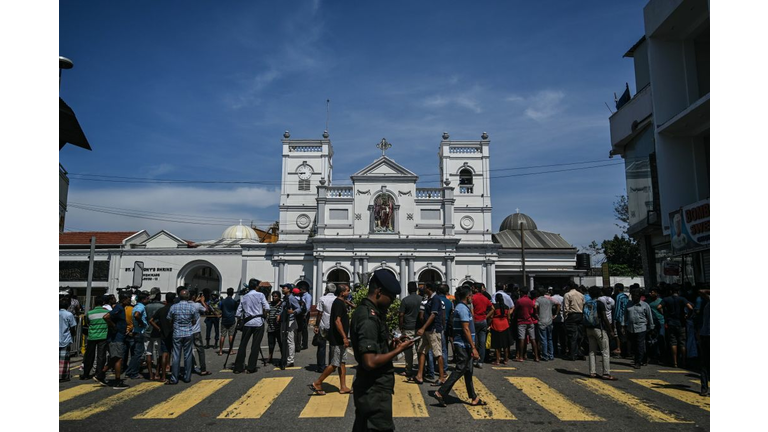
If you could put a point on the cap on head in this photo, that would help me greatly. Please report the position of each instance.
(287, 285)
(385, 280)
(296, 291)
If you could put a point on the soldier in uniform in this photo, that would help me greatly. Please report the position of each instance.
(375, 382)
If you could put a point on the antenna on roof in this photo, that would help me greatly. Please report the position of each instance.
(327, 113)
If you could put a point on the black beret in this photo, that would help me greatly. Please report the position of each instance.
(387, 281)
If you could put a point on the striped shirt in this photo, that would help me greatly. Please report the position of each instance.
(184, 315)
(97, 326)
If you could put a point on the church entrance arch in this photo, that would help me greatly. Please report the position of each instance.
(199, 275)
(338, 275)
(430, 275)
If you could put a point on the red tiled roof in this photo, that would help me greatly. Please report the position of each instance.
(102, 237)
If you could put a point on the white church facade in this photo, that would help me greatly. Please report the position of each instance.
(332, 233)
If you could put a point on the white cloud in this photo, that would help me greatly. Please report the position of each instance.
(541, 105)
(469, 99)
(211, 210)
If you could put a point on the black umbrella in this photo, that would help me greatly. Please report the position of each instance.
(69, 129)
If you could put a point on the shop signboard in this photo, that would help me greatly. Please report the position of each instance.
(689, 228)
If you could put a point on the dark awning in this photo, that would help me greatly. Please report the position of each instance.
(69, 129)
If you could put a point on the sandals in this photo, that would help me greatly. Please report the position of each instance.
(593, 375)
(440, 399)
(347, 392)
(480, 402)
(495, 363)
(205, 373)
(609, 378)
(314, 389)
(417, 381)
(438, 383)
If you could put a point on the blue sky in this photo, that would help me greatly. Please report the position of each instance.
(180, 90)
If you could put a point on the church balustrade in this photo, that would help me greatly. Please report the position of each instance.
(465, 189)
(339, 192)
(465, 150)
(305, 149)
(429, 193)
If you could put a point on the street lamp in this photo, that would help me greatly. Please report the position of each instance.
(64, 63)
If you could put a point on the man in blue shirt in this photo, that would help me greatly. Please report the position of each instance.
(228, 308)
(287, 320)
(184, 315)
(253, 307)
(431, 332)
(67, 326)
(136, 346)
(303, 322)
(442, 292)
(464, 349)
(118, 329)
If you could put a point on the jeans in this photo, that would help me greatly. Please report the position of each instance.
(598, 340)
(444, 339)
(464, 368)
(481, 334)
(430, 367)
(321, 350)
(255, 334)
(558, 339)
(303, 328)
(273, 339)
(572, 324)
(197, 340)
(211, 323)
(99, 349)
(136, 349)
(182, 346)
(704, 361)
(638, 346)
(544, 335)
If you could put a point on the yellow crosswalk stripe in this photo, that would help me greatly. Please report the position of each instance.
(622, 371)
(552, 400)
(333, 404)
(257, 400)
(650, 412)
(698, 382)
(408, 400)
(503, 368)
(288, 368)
(110, 402)
(493, 411)
(684, 395)
(674, 371)
(182, 402)
(74, 392)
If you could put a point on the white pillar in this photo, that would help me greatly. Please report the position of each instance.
(355, 270)
(449, 274)
(281, 272)
(411, 269)
(403, 281)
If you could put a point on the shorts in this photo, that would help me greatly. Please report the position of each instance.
(522, 329)
(116, 349)
(676, 335)
(338, 355)
(432, 341)
(228, 331)
(153, 347)
(164, 347)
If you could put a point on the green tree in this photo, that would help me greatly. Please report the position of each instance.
(621, 212)
(623, 256)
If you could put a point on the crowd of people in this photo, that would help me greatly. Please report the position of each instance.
(436, 333)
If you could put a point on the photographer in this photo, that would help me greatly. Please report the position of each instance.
(251, 312)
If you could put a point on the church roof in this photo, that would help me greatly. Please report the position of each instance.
(113, 238)
(387, 168)
(534, 239)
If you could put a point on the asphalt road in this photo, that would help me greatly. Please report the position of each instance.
(546, 396)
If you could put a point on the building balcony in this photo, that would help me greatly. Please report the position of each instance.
(338, 192)
(692, 121)
(631, 119)
(466, 189)
(429, 193)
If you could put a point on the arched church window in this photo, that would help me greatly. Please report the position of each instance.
(465, 181)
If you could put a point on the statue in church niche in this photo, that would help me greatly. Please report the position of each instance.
(384, 213)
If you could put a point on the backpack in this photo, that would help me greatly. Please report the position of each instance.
(591, 318)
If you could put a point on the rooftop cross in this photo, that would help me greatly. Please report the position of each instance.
(384, 145)
(518, 210)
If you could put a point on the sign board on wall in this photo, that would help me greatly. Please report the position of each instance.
(689, 228)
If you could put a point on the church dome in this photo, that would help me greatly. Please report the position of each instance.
(512, 222)
(238, 232)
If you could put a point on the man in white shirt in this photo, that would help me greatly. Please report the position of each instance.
(558, 326)
(323, 323)
(253, 307)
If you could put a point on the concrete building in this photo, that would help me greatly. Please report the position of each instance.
(662, 132)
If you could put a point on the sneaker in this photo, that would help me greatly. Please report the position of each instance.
(478, 365)
(100, 381)
(120, 385)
